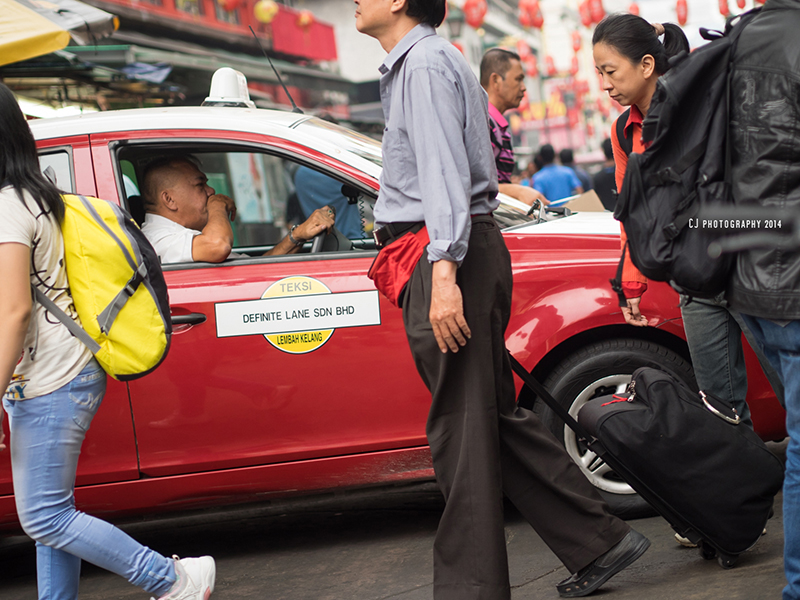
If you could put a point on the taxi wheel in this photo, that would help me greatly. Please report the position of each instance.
(596, 370)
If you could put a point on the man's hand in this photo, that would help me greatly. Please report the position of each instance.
(447, 308)
(226, 202)
(523, 193)
(320, 220)
(632, 314)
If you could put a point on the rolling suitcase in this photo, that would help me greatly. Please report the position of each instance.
(685, 453)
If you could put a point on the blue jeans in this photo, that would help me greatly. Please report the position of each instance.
(782, 347)
(46, 436)
(714, 334)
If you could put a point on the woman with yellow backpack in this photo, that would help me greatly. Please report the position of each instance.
(53, 388)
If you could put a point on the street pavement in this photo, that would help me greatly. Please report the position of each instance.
(378, 545)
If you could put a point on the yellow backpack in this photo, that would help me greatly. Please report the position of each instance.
(117, 287)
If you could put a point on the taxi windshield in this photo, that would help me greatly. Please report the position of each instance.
(349, 140)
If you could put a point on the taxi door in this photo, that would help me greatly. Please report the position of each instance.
(273, 359)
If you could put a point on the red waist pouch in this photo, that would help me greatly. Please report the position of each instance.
(392, 268)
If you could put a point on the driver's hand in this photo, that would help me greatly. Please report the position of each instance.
(227, 202)
(320, 220)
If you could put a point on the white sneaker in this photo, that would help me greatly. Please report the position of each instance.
(194, 579)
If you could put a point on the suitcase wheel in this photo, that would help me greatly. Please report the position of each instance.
(706, 551)
(727, 561)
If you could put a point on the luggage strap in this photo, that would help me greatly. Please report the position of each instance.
(616, 283)
(547, 397)
(75, 329)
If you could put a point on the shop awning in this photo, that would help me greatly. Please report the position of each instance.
(30, 28)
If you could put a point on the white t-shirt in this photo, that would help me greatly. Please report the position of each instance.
(59, 357)
(171, 241)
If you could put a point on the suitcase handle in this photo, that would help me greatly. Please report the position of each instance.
(542, 393)
(716, 413)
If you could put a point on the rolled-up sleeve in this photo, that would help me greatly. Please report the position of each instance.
(435, 115)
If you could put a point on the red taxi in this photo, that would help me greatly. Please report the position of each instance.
(323, 394)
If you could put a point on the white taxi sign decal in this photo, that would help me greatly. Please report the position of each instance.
(297, 314)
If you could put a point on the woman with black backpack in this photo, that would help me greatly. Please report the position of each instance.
(53, 388)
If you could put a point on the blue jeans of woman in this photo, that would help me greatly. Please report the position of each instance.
(781, 344)
(46, 437)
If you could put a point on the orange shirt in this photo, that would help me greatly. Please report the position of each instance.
(633, 127)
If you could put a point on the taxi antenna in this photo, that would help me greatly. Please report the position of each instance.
(295, 108)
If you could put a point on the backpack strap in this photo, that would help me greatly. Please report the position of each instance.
(624, 143)
(75, 329)
(616, 283)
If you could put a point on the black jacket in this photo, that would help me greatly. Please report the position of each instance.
(765, 153)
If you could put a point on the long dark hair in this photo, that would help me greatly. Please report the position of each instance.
(633, 37)
(19, 161)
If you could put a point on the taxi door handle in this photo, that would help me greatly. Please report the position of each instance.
(190, 319)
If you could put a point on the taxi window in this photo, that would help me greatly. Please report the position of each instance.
(61, 165)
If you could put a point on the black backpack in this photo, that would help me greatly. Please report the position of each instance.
(686, 167)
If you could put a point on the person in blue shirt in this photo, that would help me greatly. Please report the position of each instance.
(555, 181)
(315, 190)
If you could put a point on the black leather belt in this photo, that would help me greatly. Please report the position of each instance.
(392, 231)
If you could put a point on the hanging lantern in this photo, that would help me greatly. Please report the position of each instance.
(574, 67)
(551, 66)
(596, 10)
(229, 5)
(305, 19)
(724, 10)
(523, 50)
(525, 17)
(577, 41)
(459, 46)
(265, 11)
(683, 12)
(532, 66)
(586, 13)
(634, 8)
(475, 12)
(740, 3)
(537, 18)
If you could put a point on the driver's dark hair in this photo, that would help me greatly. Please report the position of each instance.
(147, 188)
(431, 12)
(496, 60)
(19, 161)
(633, 37)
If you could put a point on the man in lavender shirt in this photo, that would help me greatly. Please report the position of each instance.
(439, 169)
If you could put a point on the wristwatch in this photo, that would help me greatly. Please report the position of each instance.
(292, 238)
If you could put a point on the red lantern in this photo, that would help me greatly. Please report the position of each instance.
(524, 13)
(474, 12)
(532, 66)
(574, 67)
(597, 11)
(577, 41)
(551, 66)
(740, 3)
(523, 50)
(586, 13)
(230, 5)
(683, 12)
(724, 10)
(305, 20)
(265, 11)
(459, 46)
(634, 9)
(537, 18)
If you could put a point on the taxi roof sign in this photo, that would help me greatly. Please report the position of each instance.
(228, 88)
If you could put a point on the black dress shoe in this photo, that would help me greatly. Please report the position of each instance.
(588, 579)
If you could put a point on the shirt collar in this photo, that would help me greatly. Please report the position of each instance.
(419, 32)
(634, 118)
(497, 116)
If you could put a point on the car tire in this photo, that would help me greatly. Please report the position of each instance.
(599, 369)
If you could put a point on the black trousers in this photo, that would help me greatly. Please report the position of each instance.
(484, 445)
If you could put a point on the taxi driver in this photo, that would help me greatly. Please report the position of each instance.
(186, 221)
